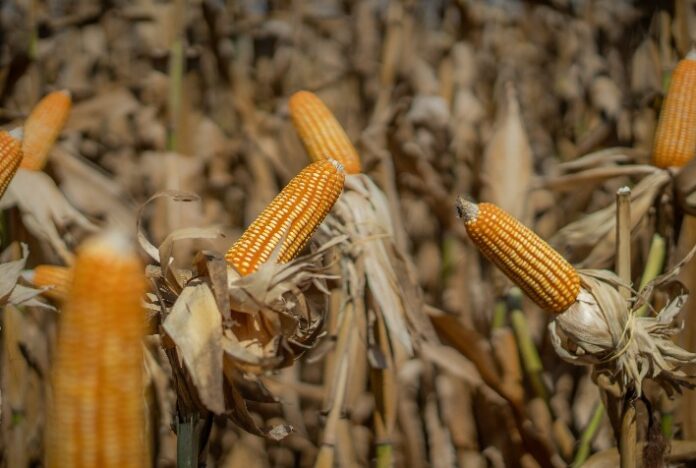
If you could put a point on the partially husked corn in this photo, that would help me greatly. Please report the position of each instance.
(10, 158)
(320, 132)
(43, 126)
(59, 278)
(291, 218)
(675, 136)
(533, 265)
(97, 413)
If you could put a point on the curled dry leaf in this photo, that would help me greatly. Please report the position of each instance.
(44, 209)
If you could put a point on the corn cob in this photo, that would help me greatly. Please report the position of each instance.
(675, 137)
(97, 414)
(291, 218)
(42, 128)
(59, 277)
(10, 158)
(541, 272)
(320, 132)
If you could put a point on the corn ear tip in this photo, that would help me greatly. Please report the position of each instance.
(467, 210)
(339, 167)
(27, 275)
(17, 133)
(113, 242)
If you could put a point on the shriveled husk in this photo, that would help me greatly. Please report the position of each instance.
(362, 214)
(227, 329)
(602, 329)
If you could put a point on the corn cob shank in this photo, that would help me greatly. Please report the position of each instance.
(10, 158)
(320, 132)
(675, 137)
(541, 272)
(43, 126)
(97, 413)
(291, 218)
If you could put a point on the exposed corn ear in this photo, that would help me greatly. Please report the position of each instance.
(320, 132)
(42, 128)
(291, 218)
(59, 277)
(97, 414)
(533, 265)
(675, 137)
(10, 158)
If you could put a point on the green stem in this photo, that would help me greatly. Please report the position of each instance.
(187, 437)
(653, 267)
(588, 436)
(176, 71)
(530, 355)
(384, 456)
(499, 314)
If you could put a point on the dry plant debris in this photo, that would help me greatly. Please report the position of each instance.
(387, 339)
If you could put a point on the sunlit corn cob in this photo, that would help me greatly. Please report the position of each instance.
(675, 137)
(541, 272)
(10, 158)
(59, 277)
(320, 132)
(97, 413)
(42, 128)
(291, 218)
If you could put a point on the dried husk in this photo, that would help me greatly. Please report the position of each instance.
(227, 328)
(602, 330)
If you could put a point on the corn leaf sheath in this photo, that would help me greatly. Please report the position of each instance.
(321, 133)
(533, 265)
(97, 414)
(289, 221)
(675, 136)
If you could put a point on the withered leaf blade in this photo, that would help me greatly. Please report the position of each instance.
(506, 169)
(195, 325)
(44, 209)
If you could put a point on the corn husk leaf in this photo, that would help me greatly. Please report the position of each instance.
(195, 325)
(602, 330)
(10, 291)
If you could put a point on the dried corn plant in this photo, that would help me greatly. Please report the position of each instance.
(390, 339)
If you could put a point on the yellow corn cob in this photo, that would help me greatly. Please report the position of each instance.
(10, 158)
(291, 218)
(42, 128)
(320, 132)
(675, 137)
(97, 414)
(59, 277)
(541, 272)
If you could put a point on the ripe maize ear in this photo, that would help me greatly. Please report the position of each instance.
(97, 415)
(59, 277)
(10, 158)
(42, 127)
(290, 219)
(541, 272)
(320, 132)
(675, 136)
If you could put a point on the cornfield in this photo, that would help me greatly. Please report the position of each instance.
(323, 233)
